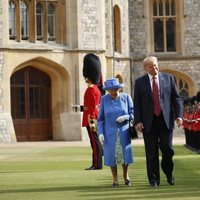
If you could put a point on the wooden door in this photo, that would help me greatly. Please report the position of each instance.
(31, 105)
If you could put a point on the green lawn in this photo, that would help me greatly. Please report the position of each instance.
(48, 173)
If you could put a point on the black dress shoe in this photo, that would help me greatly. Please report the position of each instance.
(170, 180)
(154, 184)
(93, 168)
(89, 168)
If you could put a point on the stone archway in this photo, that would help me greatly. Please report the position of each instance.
(31, 104)
(59, 82)
(185, 83)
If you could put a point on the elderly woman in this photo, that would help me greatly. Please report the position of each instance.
(115, 110)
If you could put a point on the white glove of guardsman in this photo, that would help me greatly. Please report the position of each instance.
(101, 139)
(93, 126)
(122, 118)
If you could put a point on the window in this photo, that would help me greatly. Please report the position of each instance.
(39, 21)
(24, 20)
(12, 31)
(51, 22)
(164, 17)
(182, 87)
(18, 93)
(117, 29)
(34, 20)
(39, 93)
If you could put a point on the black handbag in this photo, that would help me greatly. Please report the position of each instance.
(132, 131)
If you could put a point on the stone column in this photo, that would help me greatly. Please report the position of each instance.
(7, 133)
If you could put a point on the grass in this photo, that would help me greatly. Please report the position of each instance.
(49, 173)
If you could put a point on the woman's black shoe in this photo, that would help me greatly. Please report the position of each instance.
(115, 185)
(128, 182)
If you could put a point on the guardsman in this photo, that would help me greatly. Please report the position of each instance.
(92, 73)
(185, 119)
(190, 117)
(197, 122)
(193, 135)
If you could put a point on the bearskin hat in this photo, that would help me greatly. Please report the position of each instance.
(92, 68)
(198, 96)
(185, 102)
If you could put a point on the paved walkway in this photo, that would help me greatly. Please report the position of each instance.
(180, 140)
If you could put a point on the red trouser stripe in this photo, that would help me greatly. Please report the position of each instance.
(95, 151)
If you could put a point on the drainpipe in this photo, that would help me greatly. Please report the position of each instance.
(113, 39)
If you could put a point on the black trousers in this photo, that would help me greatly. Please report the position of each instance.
(159, 137)
(97, 150)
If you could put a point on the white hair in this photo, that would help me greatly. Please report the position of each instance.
(150, 60)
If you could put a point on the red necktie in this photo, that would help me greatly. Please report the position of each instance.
(156, 99)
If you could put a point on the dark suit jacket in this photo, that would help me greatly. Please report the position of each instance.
(170, 101)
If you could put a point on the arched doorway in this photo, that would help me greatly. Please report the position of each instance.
(184, 82)
(31, 104)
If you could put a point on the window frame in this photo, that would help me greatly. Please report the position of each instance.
(24, 20)
(53, 21)
(59, 23)
(12, 21)
(41, 15)
(117, 29)
(178, 28)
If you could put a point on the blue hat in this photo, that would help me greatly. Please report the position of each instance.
(112, 83)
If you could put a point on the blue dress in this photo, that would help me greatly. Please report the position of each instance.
(110, 109)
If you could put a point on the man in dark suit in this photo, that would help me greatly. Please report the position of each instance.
(157, 105)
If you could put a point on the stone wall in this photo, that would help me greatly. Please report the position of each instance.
(191, 67)
(137, 30)
(123, 6)
(90, 24)
(1, 24)
(192, 28)
(7, 133)
(187, 60)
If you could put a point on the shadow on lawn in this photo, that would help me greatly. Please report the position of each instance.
(186, 186)
(106, 192)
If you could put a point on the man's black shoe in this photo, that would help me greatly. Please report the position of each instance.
(89, 168)
(170, 180)
(154, 184)
(92, 168)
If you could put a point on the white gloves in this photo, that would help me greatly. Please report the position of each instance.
(101, 139)
(122, 118)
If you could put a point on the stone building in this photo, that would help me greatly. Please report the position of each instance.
(169, 30)
(43, 42)
(42, 45)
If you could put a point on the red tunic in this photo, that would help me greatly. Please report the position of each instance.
(185, 120)
(91, 104)
(197, 121)
(190, 121)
